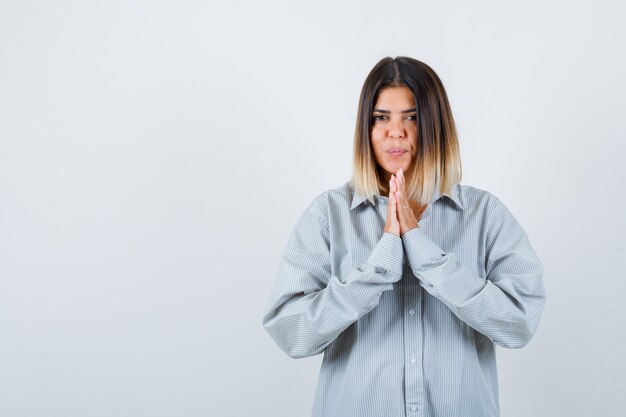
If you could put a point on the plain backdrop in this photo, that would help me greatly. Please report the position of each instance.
(155, 155)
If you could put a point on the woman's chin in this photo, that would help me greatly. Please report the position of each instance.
(393, 169)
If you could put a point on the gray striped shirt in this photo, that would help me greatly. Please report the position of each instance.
(408, 326)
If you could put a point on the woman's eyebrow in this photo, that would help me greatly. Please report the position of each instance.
(413, 110)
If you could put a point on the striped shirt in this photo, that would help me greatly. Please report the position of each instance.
(408, 325)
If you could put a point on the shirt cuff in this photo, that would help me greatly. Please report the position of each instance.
(420, 250)
(387, 254)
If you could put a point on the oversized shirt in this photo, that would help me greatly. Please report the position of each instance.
(407, 325)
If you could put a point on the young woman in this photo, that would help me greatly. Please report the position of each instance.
(405, 279)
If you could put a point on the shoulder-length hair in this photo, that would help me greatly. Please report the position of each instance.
(437, 163)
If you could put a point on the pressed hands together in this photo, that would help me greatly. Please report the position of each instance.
(400, 215)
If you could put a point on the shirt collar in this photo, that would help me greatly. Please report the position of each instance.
(453, 195)
(356, 199)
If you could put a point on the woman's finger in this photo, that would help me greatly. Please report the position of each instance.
(402, 181)
(392, 225)
(393, 188)
(406, 217)
(399, 193)
(400, 199)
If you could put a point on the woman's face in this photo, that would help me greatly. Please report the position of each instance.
(394, 130)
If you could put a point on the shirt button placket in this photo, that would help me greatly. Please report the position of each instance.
(411, 348)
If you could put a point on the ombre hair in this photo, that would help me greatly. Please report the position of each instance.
(437, 162)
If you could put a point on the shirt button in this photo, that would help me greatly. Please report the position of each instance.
(412, 312)
(413, 408)
(379, 270)
(412, 360)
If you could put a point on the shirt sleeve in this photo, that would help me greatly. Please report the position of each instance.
(507, 305)
(309, 305)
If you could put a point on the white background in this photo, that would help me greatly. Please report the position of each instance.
(154, 157)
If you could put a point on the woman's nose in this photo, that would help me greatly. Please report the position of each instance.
(396, 130)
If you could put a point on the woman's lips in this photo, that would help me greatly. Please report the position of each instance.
(396, 152)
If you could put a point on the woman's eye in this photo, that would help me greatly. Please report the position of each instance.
(379, 117)
(412, 117)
